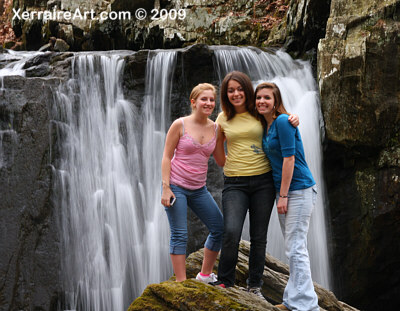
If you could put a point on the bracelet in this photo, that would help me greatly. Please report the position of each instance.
(283, 196)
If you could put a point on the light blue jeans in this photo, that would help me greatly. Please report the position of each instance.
(299, 294)
(203, 205)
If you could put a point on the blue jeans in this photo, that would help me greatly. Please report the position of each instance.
(299, 294)
(255, 194)
(203, 205)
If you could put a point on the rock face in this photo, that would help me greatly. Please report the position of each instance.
(302, 28)
(189, 22)
(296, 25)
(359, 79)
(29, 263)
(194, 295)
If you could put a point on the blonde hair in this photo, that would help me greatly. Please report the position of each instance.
(199, 88)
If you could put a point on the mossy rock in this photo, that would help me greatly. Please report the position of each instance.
(195, 295)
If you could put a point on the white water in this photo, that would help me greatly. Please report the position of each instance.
(114, 231)
(300, 96)
(15, 62)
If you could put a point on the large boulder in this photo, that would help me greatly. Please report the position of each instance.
(359, 80)
(194, 295)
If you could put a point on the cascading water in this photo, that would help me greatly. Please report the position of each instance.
(300, 96)
(15, 62)
(107, 182)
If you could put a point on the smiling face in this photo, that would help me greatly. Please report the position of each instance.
(236, 96)
(204, 103)
(265, 101)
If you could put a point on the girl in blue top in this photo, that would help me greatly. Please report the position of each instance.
(296, 194)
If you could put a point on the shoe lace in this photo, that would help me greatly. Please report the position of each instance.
(256, 291)
(213, 277)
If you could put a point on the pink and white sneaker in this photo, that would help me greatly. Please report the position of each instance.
(206, 279)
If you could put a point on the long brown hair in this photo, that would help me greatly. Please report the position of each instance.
(279, 108)
(247, 86)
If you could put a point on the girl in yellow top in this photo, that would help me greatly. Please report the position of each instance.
(248, 183)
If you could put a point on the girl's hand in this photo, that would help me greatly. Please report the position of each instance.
(294, 120)
(282, 205)
(166, 196)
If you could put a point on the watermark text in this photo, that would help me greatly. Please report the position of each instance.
(77, 14)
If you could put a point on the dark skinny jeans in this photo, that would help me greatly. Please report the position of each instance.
(255, 194)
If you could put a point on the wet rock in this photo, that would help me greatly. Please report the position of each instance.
(29, 246)
(38, 71)
(38, 60)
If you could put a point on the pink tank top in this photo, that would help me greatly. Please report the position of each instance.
(190, 162)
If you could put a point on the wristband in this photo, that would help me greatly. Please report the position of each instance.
(283, 196)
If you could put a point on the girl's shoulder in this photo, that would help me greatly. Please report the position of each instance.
(221, 118)
(178, 122)
(221, 115)
(282, 116)
(282, 119)
(211, 122)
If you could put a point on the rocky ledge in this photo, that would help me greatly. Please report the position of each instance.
(194, 295)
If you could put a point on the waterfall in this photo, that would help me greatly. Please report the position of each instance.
(107, 181)
(106, 157)
(300, 96)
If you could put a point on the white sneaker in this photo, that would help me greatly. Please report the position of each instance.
(206, 279)
(256, 291)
